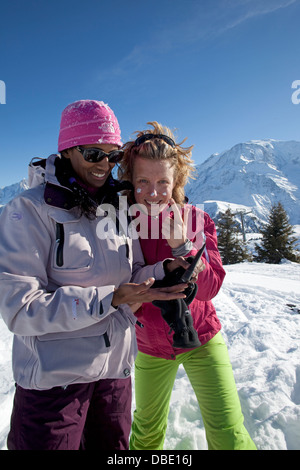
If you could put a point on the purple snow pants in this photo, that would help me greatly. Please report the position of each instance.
(95, 416)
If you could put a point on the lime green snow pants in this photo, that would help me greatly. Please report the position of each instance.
(210, 373)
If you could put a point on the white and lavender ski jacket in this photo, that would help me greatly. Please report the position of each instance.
(57, 279)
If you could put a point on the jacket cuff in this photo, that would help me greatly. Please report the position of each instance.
(159, 270)
(183, 249)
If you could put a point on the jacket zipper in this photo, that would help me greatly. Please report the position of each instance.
(60, 238)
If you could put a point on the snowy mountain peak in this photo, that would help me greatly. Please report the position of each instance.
(254, 174)
(9, 192)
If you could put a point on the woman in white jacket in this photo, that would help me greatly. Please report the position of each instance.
(65, 293)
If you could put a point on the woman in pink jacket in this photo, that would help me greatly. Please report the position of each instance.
(168, 227)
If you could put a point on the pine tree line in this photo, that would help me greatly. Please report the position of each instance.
(277, 242)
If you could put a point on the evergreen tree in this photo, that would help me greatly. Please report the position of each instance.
(230, 247)
(277, 241)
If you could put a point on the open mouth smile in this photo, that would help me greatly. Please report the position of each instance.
(98, 175)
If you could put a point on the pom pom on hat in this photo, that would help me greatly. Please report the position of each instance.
(86, 122)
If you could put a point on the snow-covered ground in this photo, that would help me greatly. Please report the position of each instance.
(263, 337)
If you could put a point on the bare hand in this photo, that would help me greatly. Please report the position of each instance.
(182, 262)
(131, 293)
(176, 263)
(198, 269)
(174, 229)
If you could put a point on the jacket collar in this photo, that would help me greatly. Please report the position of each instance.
(42, 171)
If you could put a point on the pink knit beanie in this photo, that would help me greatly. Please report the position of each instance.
(88, 122)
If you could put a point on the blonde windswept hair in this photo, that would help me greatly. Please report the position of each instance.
(158, 149)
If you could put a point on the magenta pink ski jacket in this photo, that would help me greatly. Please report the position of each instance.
(154, 339)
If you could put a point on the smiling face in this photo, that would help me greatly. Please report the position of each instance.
(92, 174)
(153, 182)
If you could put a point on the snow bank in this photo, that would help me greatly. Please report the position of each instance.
(262, 333)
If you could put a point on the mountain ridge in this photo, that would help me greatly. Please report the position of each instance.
(249, 177)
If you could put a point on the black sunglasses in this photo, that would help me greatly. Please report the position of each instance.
(143, 138)
(94, 155)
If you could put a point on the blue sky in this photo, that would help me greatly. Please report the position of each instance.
(220, 72)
